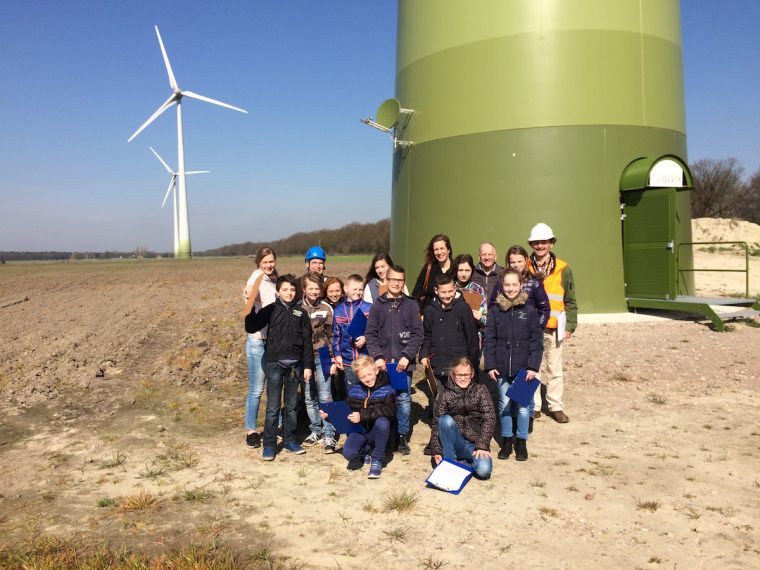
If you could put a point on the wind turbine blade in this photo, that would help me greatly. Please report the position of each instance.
(213, 101)
(166, 166)
(160, 110)
(172, 80)
(169, 189)
(197, 172)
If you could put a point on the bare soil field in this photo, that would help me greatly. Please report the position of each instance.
(122, 388)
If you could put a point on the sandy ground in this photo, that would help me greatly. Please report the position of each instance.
(125, 381)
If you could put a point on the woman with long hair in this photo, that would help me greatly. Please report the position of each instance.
(259, 292)
(437, 262)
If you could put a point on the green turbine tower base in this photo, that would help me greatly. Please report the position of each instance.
(527, 112)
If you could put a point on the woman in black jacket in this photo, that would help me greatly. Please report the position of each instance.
(437, 262)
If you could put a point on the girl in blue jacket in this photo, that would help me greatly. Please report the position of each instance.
(513, 340)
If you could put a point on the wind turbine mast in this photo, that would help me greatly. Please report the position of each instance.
(182, 248)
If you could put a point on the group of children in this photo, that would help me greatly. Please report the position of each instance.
(308, 330)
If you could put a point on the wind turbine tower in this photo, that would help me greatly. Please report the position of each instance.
(173, 189)
(182, 248)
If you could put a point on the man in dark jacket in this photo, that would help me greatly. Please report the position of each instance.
(450, 330)
(394, 334)
(463, 421)
(289, 353)
(486, 272)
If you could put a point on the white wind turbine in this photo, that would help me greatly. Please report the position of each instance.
(182, 250)
(173, 188)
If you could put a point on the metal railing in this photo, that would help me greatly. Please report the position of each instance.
(746, 260)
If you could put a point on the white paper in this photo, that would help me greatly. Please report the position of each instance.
(448, 476)
(561, 325)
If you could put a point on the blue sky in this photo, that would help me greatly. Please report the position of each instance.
(77, 78)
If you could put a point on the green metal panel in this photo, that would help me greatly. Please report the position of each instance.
(470, 67)
(649, 243)
(528, 111)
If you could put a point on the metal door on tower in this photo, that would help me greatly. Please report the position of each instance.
(649, 249)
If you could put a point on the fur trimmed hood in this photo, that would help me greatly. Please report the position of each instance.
(505, 304)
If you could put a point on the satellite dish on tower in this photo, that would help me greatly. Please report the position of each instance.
(388, 113)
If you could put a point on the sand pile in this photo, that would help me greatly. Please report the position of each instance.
(725, 229)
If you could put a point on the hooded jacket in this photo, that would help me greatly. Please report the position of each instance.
(472, 410)
(394, 329)
(372, 403)
(449, 332)
(513, 337)
(536, 297)
(343, 344)
(289, 332)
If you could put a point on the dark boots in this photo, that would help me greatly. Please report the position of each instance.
(506, 448)
(521, 449)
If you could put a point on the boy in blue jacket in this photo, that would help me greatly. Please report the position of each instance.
(513, 340)
(289, 352)
(394, 334)
(345, 348)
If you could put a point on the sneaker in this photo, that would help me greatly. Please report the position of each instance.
(375, 470)
(355, 463)
(253, 439)
(403, 445)
(427, 450)
(294, 448)
(312, 440)
(268, 453)
(330, 445)
(367, 459)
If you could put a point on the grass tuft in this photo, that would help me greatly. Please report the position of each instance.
(116, 459)
(657, 399)
(400, 501)
(105, 502)
(142, 501)
(397, 534)
(197, 495)
(650, 506)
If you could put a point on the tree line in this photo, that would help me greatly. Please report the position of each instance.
(351, 238)
(721, 190)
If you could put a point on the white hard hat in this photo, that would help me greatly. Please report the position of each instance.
(541, 232)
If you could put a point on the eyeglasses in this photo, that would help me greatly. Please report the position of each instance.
(394, 280)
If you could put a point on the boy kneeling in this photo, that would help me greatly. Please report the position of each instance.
(463, 420)
(373, 401)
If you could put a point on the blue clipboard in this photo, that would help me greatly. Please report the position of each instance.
(358, 325)
(399, 380)
(337, 415)
(325, 360)
(450, 476)
(521, 391)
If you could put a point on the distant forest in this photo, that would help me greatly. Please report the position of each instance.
(351, 238)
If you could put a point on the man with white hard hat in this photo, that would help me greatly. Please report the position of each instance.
(560, 288)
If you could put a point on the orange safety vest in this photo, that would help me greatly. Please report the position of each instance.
(554, 290)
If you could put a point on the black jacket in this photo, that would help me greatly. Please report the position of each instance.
(289, 333)
(472, 410)
(488, 282)
(513, 337)
(449, 333)
(394, 329)
(372, 403)
(419, 291)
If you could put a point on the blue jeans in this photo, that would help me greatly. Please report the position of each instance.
(348, 375)
(255, 354)
(457, 448)
(281, 377)
(508, 408)
(376, 439)
(404, 407)
(318, 391)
